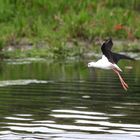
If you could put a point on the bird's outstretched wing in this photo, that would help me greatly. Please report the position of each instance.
(106, 49)
(117, 57)
(112, 57)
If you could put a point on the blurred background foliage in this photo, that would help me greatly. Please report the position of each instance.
(54, 23)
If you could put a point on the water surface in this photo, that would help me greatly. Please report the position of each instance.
(68, 101)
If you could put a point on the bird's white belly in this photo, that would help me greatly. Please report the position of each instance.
(103, 63)
(105, 66)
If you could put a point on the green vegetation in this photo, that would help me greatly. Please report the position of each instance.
(56, 28)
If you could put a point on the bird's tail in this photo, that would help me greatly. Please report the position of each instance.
(116, 67)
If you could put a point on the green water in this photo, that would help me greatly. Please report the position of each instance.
(68, 101)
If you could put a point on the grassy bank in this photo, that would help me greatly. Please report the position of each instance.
(50, 28)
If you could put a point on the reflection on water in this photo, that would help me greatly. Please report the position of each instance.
(66, 101)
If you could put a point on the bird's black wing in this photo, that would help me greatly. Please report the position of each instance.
(116, 57)
(112, 57)
(106, 49)
(107, 45)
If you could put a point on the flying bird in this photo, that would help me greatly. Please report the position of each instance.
(109, 60)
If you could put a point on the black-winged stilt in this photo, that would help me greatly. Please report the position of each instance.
(109, 60)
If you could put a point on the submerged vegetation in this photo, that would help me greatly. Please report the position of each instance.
(50, 28)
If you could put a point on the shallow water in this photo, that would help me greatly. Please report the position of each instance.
(68, 101)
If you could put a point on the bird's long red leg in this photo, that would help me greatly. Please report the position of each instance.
(125, 86)
(122, 82)
(121, 79)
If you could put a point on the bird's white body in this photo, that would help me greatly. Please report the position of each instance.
(103, 63)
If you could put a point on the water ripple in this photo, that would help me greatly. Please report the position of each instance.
(21, 82)
(105, 123)
(78, 116)
(17, 118)
(79, 112)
